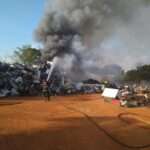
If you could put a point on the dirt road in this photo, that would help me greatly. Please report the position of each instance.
(72, 123)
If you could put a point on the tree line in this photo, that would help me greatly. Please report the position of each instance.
(139, 74)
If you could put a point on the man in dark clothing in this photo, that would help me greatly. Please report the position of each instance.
(45, 89)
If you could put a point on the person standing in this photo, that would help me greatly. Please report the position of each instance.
(45, 90)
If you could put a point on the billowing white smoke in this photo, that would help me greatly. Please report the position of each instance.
(129, 43)
(88, 34)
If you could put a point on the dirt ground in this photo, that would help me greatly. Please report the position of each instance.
(84, 122)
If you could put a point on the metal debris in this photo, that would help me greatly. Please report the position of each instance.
(21, 80)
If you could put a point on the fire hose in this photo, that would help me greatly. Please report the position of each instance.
(100, 128)
(122, 115)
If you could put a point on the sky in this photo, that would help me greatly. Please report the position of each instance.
(18, 20)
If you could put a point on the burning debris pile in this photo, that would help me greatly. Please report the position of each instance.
(81, 88)
(21, 80)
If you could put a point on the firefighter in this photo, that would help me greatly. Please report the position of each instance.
(46, 90)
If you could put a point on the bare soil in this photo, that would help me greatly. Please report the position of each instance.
(80, 122)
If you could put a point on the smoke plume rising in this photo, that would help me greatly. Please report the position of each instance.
(87, 35)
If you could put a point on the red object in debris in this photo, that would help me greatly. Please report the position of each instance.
(116, 102)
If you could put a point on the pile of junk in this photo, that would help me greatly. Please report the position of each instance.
(18, 80)
(129, 95)
(22, 80)
(134, 96)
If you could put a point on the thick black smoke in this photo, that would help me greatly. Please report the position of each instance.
(79, 32)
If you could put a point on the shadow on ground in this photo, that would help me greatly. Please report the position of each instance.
(78, 133)
(9, 103)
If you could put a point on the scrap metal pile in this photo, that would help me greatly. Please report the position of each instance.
(128, 95)
(134, 96)
(18, 80)
(22, 80)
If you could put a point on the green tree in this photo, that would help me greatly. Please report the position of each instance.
(26, 54)
(132, 75)
(144, 72)
(139, 74)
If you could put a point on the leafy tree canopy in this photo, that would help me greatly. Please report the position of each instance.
(26, 54)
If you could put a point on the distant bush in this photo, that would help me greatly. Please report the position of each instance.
(139, 74)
